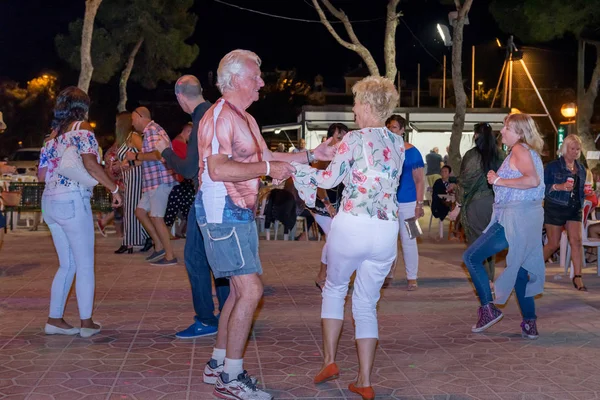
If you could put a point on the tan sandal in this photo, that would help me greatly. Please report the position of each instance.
(412, 285)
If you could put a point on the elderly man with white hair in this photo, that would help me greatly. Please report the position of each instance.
(233, 156)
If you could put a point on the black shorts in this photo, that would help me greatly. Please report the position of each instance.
(558, 215)
(2, 220)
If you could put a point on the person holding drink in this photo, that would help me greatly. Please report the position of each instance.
(565, 180)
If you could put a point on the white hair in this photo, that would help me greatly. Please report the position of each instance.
(232, 65)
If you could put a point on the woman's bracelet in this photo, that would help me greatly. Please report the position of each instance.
(116, 190)
(496, 180)
(268, 168)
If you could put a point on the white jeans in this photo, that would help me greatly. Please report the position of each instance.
(410, 252)
(367, 246)
(325, 224)
(69, 217)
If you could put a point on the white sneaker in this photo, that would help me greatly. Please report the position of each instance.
(242, 388)
(212, 372)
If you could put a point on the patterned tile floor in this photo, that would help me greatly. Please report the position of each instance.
(426, 349)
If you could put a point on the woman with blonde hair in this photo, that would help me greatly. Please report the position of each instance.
(516, 224)
(364, 232)
(565, 181)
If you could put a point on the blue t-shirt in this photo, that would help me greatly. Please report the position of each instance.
(407, 190)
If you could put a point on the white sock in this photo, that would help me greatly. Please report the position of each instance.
(218, 355)
(233, 367)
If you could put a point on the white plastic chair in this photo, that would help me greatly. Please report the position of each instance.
(565, 247)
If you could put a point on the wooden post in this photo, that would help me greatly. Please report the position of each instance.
(580, 76)
(444, 87)
(399, 90)
(418, 85)
(473, 78)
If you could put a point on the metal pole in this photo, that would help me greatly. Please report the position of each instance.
(538, 94)
(418, 85)
(444, 88)
(498, 85)
(473, 78)
(510, 81)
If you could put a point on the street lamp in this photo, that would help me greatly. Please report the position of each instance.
(444, 33)
(568, 110)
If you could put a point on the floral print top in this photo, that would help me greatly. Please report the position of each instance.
(369, 163)
(52, 152)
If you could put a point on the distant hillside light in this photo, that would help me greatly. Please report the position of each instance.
(568, 110)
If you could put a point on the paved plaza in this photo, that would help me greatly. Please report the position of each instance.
(426, 349)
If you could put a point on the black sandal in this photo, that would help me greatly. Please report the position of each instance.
(580, 288)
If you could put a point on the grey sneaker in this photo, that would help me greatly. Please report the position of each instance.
(242, 388)
(488, 316)
(529, 329)
(165, 262)
(155, 256)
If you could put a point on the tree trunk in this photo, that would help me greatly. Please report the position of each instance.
(85, 75)
(122, 106)
(586, 108)
(459, 90)
(355, 44)
(389, 44)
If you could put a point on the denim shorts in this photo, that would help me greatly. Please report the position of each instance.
(2, 220)
(231, 248)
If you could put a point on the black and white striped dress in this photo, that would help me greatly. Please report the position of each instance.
(134, 232)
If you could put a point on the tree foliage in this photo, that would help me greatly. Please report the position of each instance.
(544, 20)
(163, 24)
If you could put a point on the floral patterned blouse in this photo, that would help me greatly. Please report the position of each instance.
(369, 163)
(52, 152)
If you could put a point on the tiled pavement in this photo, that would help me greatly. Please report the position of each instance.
(426, 349)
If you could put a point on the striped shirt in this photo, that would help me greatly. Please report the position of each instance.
(155, 173)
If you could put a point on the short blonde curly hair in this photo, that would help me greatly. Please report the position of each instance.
(378, 92)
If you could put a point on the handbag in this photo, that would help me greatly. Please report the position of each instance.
(71, 166)
(413, 227)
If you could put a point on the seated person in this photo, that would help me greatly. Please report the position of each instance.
(281, 206)
(439, 207)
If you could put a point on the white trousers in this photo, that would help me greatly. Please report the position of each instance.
(410, 252)
(325, 224)
(69, 218)
(367, 246)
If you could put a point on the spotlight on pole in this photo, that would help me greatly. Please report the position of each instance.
(444, 33)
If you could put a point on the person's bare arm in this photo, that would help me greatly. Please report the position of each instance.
(522, 161)
(418, 175)
(221, 168)
(323, 152)
(41, 174)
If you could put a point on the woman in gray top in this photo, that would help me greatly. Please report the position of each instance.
(519, 191)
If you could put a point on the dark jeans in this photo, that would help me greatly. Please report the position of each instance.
(491, 242)
(200, 275)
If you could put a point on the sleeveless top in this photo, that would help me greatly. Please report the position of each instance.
(505, 194)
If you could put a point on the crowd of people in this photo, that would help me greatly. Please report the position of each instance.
(360, 187)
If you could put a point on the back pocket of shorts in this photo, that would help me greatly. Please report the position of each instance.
(226, 248)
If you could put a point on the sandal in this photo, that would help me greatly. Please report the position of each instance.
(581, 288)
(412, 286)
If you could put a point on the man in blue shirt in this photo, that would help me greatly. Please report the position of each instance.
(189, 95)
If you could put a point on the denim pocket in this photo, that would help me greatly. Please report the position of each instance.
(62, 209)
(225, 248)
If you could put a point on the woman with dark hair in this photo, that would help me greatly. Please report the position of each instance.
(411, 190)
(328, 201)
(134, 233)
(67, 211)
(475, 197)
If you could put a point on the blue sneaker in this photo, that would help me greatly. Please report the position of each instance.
(197, 329)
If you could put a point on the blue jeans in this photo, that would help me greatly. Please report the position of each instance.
(488, 244)
(199, 274)
(71, 223)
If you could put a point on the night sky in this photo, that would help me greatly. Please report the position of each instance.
(28, 29)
